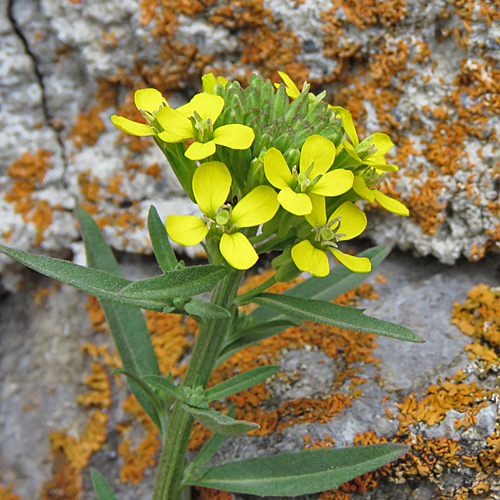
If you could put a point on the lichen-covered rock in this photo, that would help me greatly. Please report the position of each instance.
(424, 72)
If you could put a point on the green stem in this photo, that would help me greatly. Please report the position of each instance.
(201, 365)
(246, 297)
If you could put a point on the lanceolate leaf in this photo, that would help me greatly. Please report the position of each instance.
(293, 474)
(146, 294)
(161, 244)
(101, 486)
(198, 307)
(212, 445)
(127, 325)
(240, 382)
(339, 281)
(218, 422)
(184, 282)
(321, 311)
(166, 385)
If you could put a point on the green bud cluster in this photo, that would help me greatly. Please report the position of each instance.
(275, 120)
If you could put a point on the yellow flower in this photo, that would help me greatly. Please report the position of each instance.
(211, 187)
(195, 120)
(209, 82)
(371, 150)
(291, 89)
(148, 102)
(313, 178)
(347, 222)
(372, 194)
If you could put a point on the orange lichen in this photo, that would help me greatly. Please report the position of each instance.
(441, 398)
(137, 459)
(6, 493)
(88, 127)
(209, 494)
(41, 294)
(425, 207)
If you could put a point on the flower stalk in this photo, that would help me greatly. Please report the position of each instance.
(212, 333)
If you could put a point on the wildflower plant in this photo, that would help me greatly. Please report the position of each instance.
(271, 169)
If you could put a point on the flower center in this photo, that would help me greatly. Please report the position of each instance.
(203, 129)
(221, 219)
(302, 179)
(329, 235)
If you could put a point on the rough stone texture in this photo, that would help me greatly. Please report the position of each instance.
(425, 72)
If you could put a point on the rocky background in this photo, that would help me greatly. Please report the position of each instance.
(424, 72)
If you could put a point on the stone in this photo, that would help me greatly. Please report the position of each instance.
(422, 72)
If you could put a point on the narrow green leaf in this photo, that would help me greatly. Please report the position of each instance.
(101, 486)
(210, 448)
(321, 311)
(198, 307)
(273, 326)
(339, 281)
(161, 244)
(166, 385)
(242, 343)
(218, 422)
(142, 384)
(240, 382)
(184, 282)
(101, 284)
(302, 473)
(99, 255)
(127, 325)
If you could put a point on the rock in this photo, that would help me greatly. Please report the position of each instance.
(424, 72)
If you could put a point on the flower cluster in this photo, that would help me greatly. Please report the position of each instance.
(268, 157)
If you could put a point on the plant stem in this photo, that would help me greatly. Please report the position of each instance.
(201, 365)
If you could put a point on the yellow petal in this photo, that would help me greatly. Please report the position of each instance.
(347, 123)
(317, 217)
(291, 89)
(295, 203)
(208, 106)
(381, 141)
(317, 151)
(234, 136)
(131, 127)
(176, 127)
(186, 229)
(149, 100)
(257, 207)
(380, 163)
(238, 251)
(350, 149)
(200, 150)
(310, 259)
(355, 264)
(276, 169)
(334, 183)
(352, 220)
(362, 189)
(208, 82)
(394, 206)
(211, 186)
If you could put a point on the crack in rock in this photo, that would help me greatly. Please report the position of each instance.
(48, 118)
